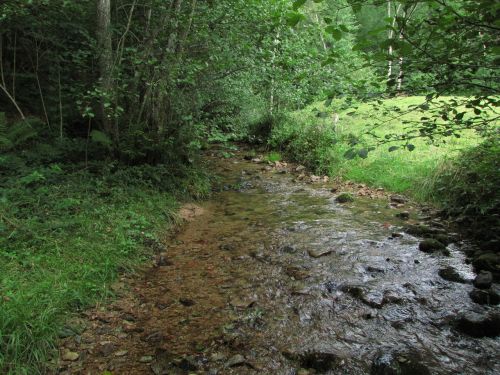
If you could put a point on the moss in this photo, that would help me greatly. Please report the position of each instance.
(431, 245)
(344, 198)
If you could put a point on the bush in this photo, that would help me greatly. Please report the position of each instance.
(468, 188)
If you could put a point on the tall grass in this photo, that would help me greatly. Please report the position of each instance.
(312, 136)
(64, 238)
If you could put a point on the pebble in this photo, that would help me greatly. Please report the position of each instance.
(236, 360)
(70, 356)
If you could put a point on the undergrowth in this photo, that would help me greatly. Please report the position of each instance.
(313, 137)
(66, 232)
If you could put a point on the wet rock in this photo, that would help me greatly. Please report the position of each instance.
(227, 247)
(483, 280)
(320, 361)
(300, 168)
(187, 363)
(344, 198)
(334, 190)
(121, 353)
(396, 235)
(153, 338)
(450, 274)
(106, 348)
(217, 357)
(319, 253)
(419, 230)
(66, 332)
(486, 297)
(443, 238)
(146, 359)
(487, 262)
(330, 286)
(248, 157)
(186, 302)
(399, 364)
(405, 215)
(398, 199)
(479, 325)
(373, 299)
(297, 273)
(290, 249)
(374, 269)
(162, 363)
(354, 290)
(242, 303)
(236, 360)
(70, 356)
(163, 261)
(430, 245)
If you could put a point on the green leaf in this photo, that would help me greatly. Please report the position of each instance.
(410, 147)
(363, 153)
(293, 18)
(350, 154)
(298, 3)
(336, 33)
(393, 148)
(100, 137)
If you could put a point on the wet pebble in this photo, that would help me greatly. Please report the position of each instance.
(319, 253)
(236, 360)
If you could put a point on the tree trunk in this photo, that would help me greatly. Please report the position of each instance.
(105, 48)
(391, 36)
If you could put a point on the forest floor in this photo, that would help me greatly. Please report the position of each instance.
(281, 272)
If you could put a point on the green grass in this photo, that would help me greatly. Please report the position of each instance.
(65, 236)
(310, 136)
(273, 156)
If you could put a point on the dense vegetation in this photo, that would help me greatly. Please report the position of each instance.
(105, 107)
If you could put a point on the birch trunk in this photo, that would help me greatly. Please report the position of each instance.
(105, 49)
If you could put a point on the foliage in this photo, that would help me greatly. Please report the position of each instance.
(311, 136)
(468, 188)
(65, 234)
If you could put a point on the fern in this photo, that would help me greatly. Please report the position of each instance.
(16, 134)
(21, 132)
(5, 143)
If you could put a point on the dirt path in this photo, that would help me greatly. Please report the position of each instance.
(273, 276)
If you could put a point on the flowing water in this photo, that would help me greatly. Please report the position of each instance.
(273, 276)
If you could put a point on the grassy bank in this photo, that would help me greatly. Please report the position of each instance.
(66, 232)
(310, 136)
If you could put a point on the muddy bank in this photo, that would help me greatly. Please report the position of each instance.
(277, 275)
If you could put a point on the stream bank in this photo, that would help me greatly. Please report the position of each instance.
(277, 274)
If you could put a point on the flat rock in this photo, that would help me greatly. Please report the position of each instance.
(319, 253)
(70, 356)
(236, 360)
(395, 198)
